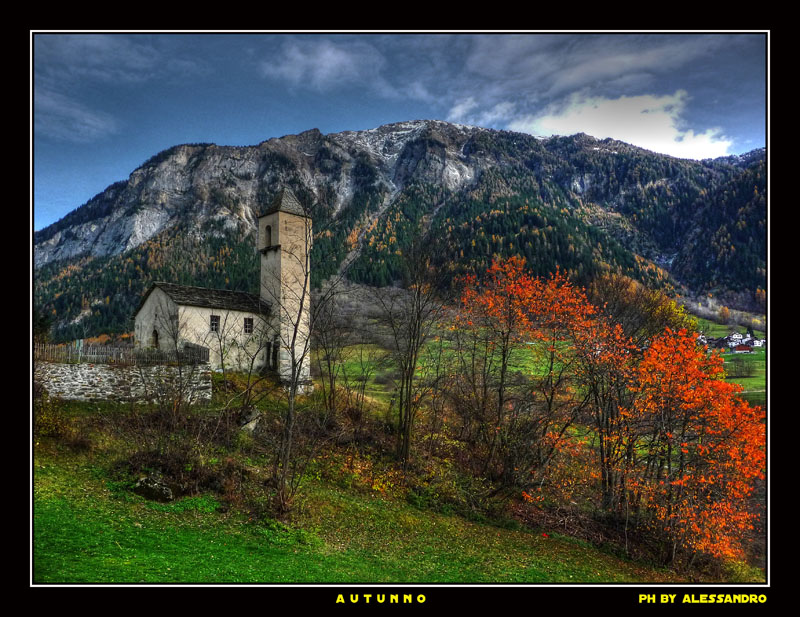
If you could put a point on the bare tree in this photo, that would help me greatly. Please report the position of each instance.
(240, 342)
(331, 336)
(170, 327)
(367, 361)
(410, 317)
(221, 339)
(170, 385)
(285, 241)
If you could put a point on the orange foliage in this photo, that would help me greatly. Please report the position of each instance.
(101, 339)
(703, 446)
(507, 312)
(671, 442)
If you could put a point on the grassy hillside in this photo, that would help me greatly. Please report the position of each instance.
(353, 521)
(87, 529)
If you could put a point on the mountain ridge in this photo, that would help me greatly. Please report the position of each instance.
(566, 196)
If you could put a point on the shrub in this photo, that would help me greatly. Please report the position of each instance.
(48, 415)
(52, 421)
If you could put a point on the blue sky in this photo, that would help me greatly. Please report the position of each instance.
(103, 103)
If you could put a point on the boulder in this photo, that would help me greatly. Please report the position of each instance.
(153, 487)
(249, 420)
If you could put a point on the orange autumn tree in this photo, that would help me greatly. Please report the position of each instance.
(700, 450)
(491, 325)
(515, 390)
(563, 324)
(605, 372)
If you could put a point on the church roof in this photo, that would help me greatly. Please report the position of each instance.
(285, 201)
(224, 299)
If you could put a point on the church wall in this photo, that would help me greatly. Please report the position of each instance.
(157, 314)
(230, 343)
(190, 324)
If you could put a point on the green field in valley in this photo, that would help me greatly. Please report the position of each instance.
(747, 369)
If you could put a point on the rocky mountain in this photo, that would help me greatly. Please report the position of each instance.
(197, 183)
(585, 205)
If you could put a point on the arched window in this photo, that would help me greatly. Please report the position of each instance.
(268, 235)
(154, 339)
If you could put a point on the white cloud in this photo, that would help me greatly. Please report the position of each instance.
(648, 121)
(324, 65)
(462, 109)
(60, 117)
(102, 58)
(553, 64)
(467, 111)
(607, 60)
(72, 72)
(418, 91)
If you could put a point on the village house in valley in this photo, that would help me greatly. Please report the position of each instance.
(243, 331)
(735, 342)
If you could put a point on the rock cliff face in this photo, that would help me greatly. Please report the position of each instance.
(190, 184)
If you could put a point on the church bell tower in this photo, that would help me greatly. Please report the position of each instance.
(284, 241)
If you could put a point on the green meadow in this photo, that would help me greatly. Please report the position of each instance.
(89, 528)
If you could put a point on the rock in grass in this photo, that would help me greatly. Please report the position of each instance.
(153, 487)
(249, 421)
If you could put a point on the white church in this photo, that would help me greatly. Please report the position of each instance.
(243, 331)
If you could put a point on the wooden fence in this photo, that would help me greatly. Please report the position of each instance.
(129, 356)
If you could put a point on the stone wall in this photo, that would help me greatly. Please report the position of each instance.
(102, 382)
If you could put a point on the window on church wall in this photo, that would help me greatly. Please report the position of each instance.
(268, 235)
(214, 324)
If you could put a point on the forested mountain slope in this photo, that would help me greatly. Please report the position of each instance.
(585, 205)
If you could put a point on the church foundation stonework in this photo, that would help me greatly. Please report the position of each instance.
(109, 382)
